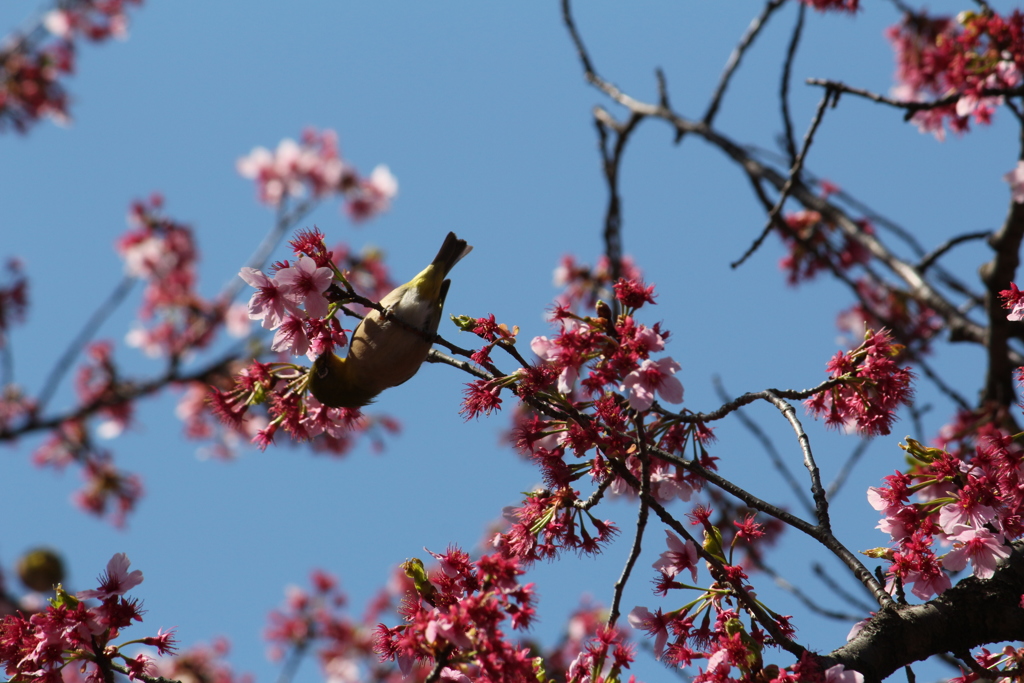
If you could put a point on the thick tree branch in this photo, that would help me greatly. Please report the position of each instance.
(997, 275)
(971, 613)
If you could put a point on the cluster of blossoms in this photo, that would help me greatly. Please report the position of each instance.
(452, 613)
(910, 321)
(70, 633)
(809, 241)
(871, 386)
(971, 503)
(313, 167)
(315, 617)
(584, 285)
(453, 619)
(300, 302)
(107, 489)
(601, 366)
(162, 253)
(32, 64)
(964, 495)
(850, 6)
(709, 628)
(969, 60)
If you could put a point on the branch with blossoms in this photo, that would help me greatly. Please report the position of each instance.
(35, 60)
(71, 633)
(177, 323)
(590, 413)
(596, 387)
(860, 244)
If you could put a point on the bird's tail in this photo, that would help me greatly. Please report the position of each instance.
(450, 253)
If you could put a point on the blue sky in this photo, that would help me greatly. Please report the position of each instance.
(481, 112)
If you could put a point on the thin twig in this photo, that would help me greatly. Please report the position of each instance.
(926, 262)
(847, 468)
(823, 536)
(794, 176)
(124, 392)
(596, 496)
(291, 667)
(911, 107)
(769, 448)
(142, 677)
(833, 587)
(63, 364)
(715, 565)
(611, 163)
(736, 56)
(748, 398)
(817, 491)
(787, 67)
(796, 592)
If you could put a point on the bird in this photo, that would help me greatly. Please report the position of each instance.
(387, 349)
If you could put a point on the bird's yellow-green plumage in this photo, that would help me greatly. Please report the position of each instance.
(386, 350)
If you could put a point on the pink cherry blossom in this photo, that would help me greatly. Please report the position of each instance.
(983, 548)
(679, 557)
(839, 674)
(291, 336)
(372, 195)
(305, 284)
(655, 624)
(268, 303)
(957, 518)
(650, 378)
(117, 580)
(562, 352)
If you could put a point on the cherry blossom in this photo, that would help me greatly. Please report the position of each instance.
(653, 377)
(269, 303)
(117, 580)
(981, 547)
(680, 556)
(313, 168)
(305, 283)
(655, 624)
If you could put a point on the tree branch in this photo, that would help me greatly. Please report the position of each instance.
(736, 56)
(971, 613)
